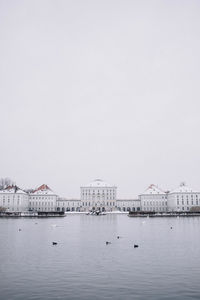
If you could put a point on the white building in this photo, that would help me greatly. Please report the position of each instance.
(183, 198)
(153, 199)
(43, 199)
(128, 204)
(64, 204)
(98, 195)
(13, 199)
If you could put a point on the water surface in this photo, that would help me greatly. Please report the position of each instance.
(165, 266)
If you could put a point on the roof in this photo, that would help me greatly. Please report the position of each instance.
(153, 189)
(98, 183)
(12, 189)
(183, 188)
(43, 190)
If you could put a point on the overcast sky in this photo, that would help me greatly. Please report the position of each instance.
(100, 89)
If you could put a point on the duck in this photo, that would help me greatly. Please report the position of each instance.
(136, 246)
(107, 243)
(54, 243)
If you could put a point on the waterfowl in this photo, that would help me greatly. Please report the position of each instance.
(107, 243)
(136, 246)
(54, 243)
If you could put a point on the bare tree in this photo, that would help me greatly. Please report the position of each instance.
(2, 209)
(195, 209)
(4, 182)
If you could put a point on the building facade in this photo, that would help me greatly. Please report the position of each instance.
(128, 205)
(42, 199)
(183, 199)
(98, 195)
(13, 199)
(153, 199)
(66, 205)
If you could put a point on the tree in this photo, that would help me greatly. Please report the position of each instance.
(195, 209)
(2, 209)
(5, 182)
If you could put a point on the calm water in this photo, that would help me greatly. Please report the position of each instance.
(165, 266)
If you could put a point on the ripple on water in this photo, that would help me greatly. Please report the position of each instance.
(81, 266)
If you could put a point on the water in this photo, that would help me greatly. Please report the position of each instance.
(165, 266)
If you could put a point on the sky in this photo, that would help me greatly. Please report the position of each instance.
(100, 89)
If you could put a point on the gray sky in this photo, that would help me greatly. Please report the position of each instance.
(100, 89)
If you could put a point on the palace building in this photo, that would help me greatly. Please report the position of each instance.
(153, 199)
(183, 199)
(43, 199)
(98, 195)
(13, 199)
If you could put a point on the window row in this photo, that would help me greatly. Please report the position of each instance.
(102, 204)
(187, 202)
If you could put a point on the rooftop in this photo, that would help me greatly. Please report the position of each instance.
(98, 183)
(12, 189)
(43, 190)
(153, 189)
(183, 188)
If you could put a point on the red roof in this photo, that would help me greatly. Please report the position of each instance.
(43, 187)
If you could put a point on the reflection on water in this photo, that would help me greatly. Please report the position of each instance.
(81, 266)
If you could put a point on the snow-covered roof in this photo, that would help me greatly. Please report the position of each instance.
(183, 188)
(12, 190)
(154, 190)
(98, 183)
(43, 190)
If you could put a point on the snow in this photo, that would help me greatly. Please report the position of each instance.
(154, 190)
(12, 190)
(183, 188)
(43, 190)
(98, 183)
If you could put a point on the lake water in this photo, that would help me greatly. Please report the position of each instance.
(81, 266)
